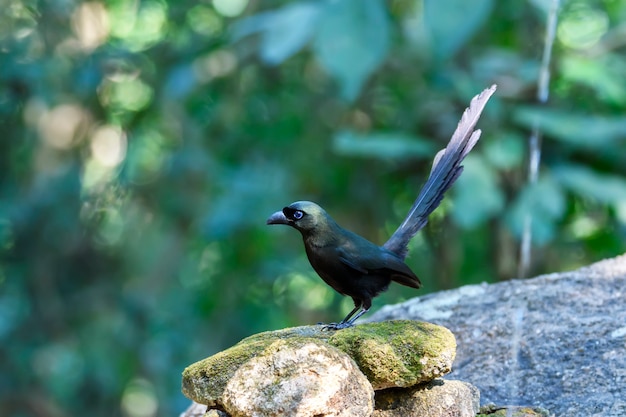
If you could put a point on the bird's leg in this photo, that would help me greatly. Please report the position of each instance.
(357, 307)
(348, 321)
(365, 307)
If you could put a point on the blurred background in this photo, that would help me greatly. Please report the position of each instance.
(145, 143)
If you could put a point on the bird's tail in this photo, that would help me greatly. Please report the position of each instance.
(446, 169)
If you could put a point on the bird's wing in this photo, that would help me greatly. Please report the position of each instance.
(359, 254)
(375, 261)
(446, 169)
(349, 263)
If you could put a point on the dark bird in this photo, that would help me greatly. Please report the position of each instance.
(358, 268)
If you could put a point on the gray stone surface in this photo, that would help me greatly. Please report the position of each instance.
(557, 341)
(438, 398)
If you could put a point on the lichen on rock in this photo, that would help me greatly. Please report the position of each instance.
(204, 381)
(492, 410)
(397, 353)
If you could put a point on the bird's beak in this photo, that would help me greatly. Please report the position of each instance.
(278, 218)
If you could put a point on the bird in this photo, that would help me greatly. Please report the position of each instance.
(355, 267)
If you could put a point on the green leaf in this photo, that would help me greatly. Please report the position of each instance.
(351, 42)
(577, 129)
(284, 31)
(390, 145)
(451, 23)
(606, 189)
(477, 196)
(544, 203)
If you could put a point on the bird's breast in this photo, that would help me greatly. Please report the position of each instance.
(325, 261)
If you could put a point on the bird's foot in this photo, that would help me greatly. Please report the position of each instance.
(336, 326)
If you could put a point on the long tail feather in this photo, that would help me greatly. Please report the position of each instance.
(446, 169)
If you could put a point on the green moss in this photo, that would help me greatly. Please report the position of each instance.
(512, 411)
(397, 353)
(204, 381)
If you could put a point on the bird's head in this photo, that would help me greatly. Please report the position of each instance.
(302, 215)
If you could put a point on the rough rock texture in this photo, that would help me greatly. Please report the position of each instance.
(204, 381)
(512, 411)
(400, 353)
(302, 378)
(395, 353)
(437, 398)
(557, 341)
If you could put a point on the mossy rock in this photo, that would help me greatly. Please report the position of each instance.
(398, 353)
(512, 411)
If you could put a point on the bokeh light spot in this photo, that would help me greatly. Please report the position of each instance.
(583, 227)
(204, 20)
(138, 25)
(90, 23)
(59, 127)
(230, 8)
(582, 26)
(127, 94)
(139, 399)
(108, 145)
(217, 64)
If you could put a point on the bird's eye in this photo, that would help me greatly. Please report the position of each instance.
(298, 214)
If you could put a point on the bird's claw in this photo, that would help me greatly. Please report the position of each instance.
(336, 326)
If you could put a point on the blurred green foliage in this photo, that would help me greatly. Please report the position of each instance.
(144, 143)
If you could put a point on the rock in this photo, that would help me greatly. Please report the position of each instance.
(395, 353)
(194, 410)
(299, 378)
(556, 341)
(437, 398)
(512, 411)
(204, 381)
(398, 353)
(200, 410)
(215, 413)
